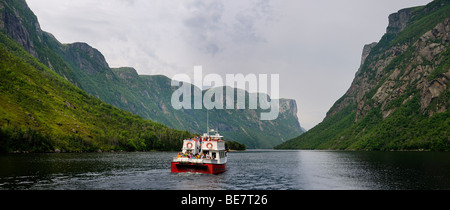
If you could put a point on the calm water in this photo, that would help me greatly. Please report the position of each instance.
(250, 170)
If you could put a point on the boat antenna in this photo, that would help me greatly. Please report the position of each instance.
(207, 121)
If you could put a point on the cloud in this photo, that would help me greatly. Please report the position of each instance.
(212, 26)
(204, 25)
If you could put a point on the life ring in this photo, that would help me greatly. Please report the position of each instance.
(189, 145)
(209, 145)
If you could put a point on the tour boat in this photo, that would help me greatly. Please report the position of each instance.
(205, 154)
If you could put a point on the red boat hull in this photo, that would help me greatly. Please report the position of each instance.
(198, 168)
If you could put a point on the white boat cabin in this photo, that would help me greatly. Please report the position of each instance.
(210, 149)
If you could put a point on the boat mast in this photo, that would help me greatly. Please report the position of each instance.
(207, 121)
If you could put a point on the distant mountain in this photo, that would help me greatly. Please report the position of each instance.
(243, 126)
(399, 99)
(147, 96)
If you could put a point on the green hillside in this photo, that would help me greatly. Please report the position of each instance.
(146, 96)
(42, 112)
(400, 97)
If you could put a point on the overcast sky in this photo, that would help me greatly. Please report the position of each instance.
(315, 45)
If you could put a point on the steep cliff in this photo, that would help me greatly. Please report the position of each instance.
(399, 98)
(19, 22)
(41, 112)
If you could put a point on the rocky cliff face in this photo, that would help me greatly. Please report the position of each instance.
(20, 23)
(423, 55)
(366, 52)
(13, 24)
(398, 21)
(392, 83)
(403, 82)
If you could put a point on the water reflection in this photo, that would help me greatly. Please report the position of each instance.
(335, 170)
(374, 170)
(250, 170)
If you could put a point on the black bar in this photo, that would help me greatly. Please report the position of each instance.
(225, 199)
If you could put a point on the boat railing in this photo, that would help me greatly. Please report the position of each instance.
(181, 160)
(197, 161)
